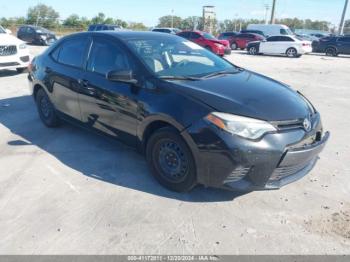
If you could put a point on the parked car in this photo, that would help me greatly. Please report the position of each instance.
(198, 118)
(227, 35)
(253, 32)
(277, 45)
(333, 45)
(36, 35)
(14, 53)
(241, 40)
(271, 29)
(168, 30)
(104, 27)
(208, 41)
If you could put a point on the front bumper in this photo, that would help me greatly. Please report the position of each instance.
(19, 60)
(231, 162)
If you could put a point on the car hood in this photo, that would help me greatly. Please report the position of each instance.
(6, 39)
(247, 94)
(223, 42)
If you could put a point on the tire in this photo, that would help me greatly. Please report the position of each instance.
(233, 46)
(46, 110)
(252, 50)
(171, 161)
(331, 51)
(21, 70)
(292, 52)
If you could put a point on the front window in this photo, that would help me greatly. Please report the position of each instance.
(209, 36)
(177, 57)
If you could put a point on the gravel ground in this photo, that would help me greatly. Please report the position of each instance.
(68, 191)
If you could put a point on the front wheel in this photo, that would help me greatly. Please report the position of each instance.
(331, 51)
(292, 52)
(252, 50)
(171, 161)
(233, 46)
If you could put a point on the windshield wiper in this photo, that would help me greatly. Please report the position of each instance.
(179, 78)
(225, 72)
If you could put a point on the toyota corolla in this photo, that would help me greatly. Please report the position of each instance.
(197, 118)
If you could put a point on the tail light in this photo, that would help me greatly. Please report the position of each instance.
(306, 44)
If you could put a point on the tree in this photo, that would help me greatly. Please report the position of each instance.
(169, 21)
(191, 23)
(99, 19)
(137, 26)
(43, 15)
(121, 23)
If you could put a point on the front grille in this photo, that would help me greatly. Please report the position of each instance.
(6, 50)
(237, 174)
(285, 171)
(8, 64)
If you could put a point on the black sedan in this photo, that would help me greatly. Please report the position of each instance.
(36, 35)
(198, 118)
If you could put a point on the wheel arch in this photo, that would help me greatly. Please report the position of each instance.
(153, 123)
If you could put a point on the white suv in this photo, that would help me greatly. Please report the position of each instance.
(14, 53)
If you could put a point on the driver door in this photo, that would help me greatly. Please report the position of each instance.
(108, 106)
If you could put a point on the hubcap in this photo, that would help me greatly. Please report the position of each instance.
(45, 107)
(291, 52)
(172, 161)
(252, 50)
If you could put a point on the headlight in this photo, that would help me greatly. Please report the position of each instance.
(43, 37)
(22, 46)
(218, 45)
(241, 126)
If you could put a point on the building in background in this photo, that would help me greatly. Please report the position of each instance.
(209, 18)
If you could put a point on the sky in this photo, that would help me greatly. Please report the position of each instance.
(148, 11)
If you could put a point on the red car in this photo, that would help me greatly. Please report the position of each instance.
(241, 40)
(208, 41)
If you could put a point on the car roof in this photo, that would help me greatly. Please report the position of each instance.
(126, 35)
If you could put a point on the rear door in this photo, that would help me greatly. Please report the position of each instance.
(64, 74)
(343, 45)
(108, 106)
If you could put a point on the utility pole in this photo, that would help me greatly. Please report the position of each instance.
(272, 20)
(267, 7)
(342, 22)
(37, 18)
(172, 18)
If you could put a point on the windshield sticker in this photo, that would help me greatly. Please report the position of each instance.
(193, 45)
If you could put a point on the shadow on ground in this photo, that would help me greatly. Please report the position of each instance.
(92, 155)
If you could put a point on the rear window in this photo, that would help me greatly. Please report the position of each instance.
(72, 52)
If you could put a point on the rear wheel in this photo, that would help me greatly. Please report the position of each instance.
(331, 51)
(171, 160)
(252, 50)
(46, 109)
(292, 52)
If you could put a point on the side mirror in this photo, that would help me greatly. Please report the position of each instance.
(8, 31)
(124, 76)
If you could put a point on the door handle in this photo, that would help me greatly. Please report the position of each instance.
(85, 84)
(48, 70)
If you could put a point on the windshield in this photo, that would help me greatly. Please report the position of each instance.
(177, 57)
(286, 32)
(2, 30)
(41, 30)
(209, 36)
